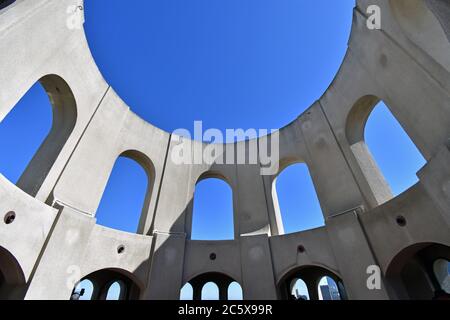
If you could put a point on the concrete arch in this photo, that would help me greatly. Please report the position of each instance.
(286, 163)
(214, 174)
(5, 3)
(64, 110)
(211, 174)
(102, 280)
(410, 273)
(222, 281)
(147, 164)
(310, 274)
(355, 134)
(419, 23)
(12, 278)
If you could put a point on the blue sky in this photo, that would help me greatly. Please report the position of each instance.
(229, 63)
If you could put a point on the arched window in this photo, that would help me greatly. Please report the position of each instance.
(12, 278)
(23, 130)
(396, 155)
(34, 132)
(83, 290)
(106, 284)
(235, 291)
(187, 292)
(5, 3)
(299, 290)
(213, 211)
(388, 158)
(115, 291)
(126, 196)
(296, 199)
(441, 268)
(328, 289)
(210, 291)
(420, 272)
(311, 283)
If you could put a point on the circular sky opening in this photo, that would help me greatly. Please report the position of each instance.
(228, 63)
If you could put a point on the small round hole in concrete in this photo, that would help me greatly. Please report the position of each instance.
(10, 217)
(120, 249)
(301, 249)
(401, 221)
(212, 256)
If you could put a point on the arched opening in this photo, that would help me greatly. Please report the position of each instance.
(388, 158)
(116, 291)
(295, 199)
(235, 291)
(12, 279)
(214, 286)
(417, 272)
(126, 199)
(106, 284)
(441, 268)
(429, 29)
(5, 3)
(210, 291)
(83, 290)
(35, 131)
(299, 290)
(311, 283)
(212, 217)
(187, 292)
(328, 289)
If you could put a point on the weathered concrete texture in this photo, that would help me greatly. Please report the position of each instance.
(49, 239)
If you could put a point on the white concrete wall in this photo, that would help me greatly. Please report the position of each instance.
(55, 230)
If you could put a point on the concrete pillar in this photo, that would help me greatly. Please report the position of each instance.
(166, 273)
(197, 291)
(71, 235)
(435, 177)
(313, 289)
(258, 282)
(347, 237)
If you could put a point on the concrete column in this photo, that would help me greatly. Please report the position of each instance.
(347, 238)
(258, 282)
(71, 235)
(435, 177)
(165, 279)
(197, 291)
(223, 291)
(313, 289)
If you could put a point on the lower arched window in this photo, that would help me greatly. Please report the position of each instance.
(187, 293)
(5, 3)
(116, 291)
(441, 268)
(299, 290)
(83, 291)
(328, 289)
(106, 284)
(235, 291)
(210, 291)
